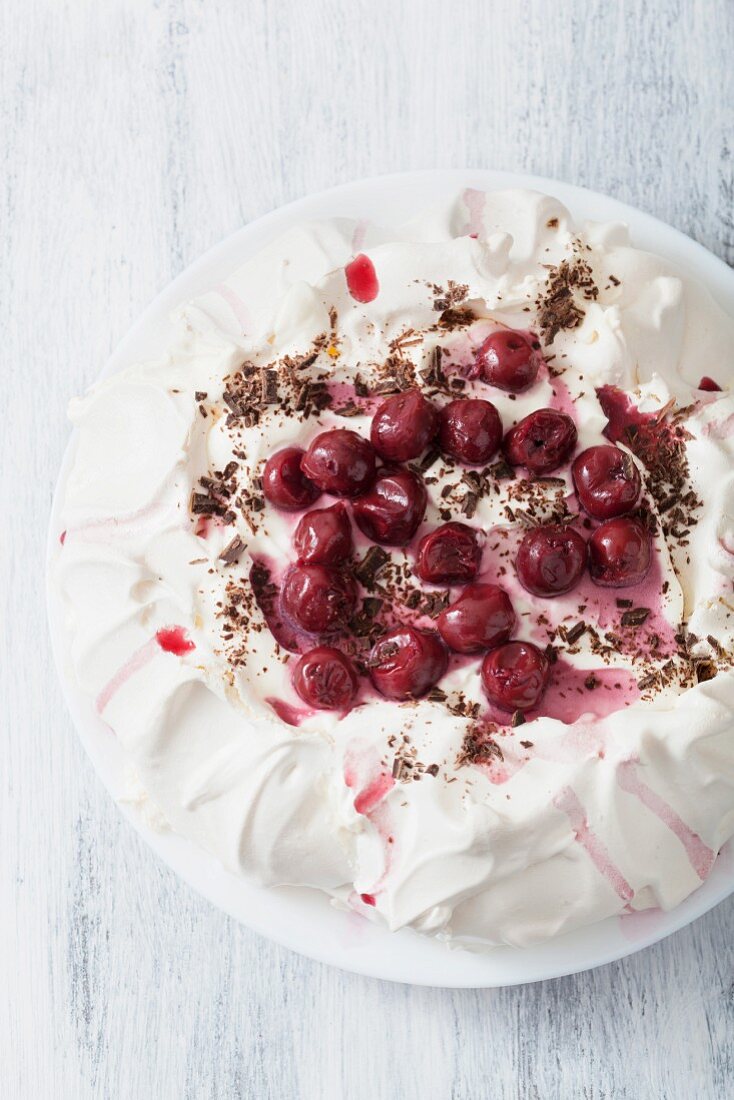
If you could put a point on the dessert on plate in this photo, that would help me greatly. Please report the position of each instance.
(406, 572)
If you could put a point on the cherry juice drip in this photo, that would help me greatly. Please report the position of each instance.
(362, 279)
(175, 640)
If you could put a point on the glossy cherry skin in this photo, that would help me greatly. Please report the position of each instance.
(324, 536)
(340, 462)
(542, 441)
(449, 555)
(393, 509)
(284, 483)
(508, 361)
(607, 481)
(406, 662)
(482, 617)
(326, 679)
(471, 430)
(619, 553)
(318, 598)
(551, 560)
(515, 676)
(403, 426)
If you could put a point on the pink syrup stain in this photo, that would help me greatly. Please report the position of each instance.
(368, 899)
(720, 429)
(568, 697)
(365, 774)
(638, 924)
(62, 537)
(475, 202)
(708, 385)
(568, 803)
(105, 530)
(292, 716)
(175, 640)
(238, 307)
(700, 855)
(139, 660)
(358, 237)
(362, 281)
(561, 400)
(342, 393)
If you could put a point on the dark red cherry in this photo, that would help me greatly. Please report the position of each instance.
(551, 560)
(542, 441)
(403, 426)
(284, 483)
(509, 361)
(619, 553)
(340, 462)
(471, 430)
(406, 662)
(482, 617)
(326, 679)
(708, 385)
(318, 598)
(393, 509)
(515, 676)
(607, 481)
(449, 555)
(324, 536)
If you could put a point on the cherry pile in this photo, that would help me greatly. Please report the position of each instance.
(387, 501)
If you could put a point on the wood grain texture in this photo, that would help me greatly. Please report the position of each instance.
(132, 137)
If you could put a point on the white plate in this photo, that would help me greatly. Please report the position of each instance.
(303, 919)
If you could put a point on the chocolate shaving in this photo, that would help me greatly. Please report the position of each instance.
(369, 567)
(432, 769)
(203, 504)
(573, 635)
(557, 307)
(469, 503)
(232, 551)
(635, 617)
(518, 719)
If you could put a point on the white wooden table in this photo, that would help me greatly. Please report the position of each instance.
(134, 135)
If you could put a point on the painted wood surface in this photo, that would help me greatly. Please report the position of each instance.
(134, 135)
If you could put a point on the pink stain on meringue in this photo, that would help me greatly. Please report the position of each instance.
(699, 854)
(238, 307)
(475, 202)
(568, 803)
(139, 659)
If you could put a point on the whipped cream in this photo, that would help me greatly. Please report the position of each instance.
(437, 814)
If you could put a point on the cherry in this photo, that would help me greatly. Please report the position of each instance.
(508, 360)
(340, 462)
(619, 553)
(708, 385)
(482, 617)
(449, 555)
(284, 483)
(551, 560)
(318, 598)
(471, 430)
(542, 441)
(406, 662)
(607, 481)
(326, 679)
(392, 511)
(515, 676)
(403, 426)
(324, 536)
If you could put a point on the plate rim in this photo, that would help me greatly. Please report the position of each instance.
(201, 871)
